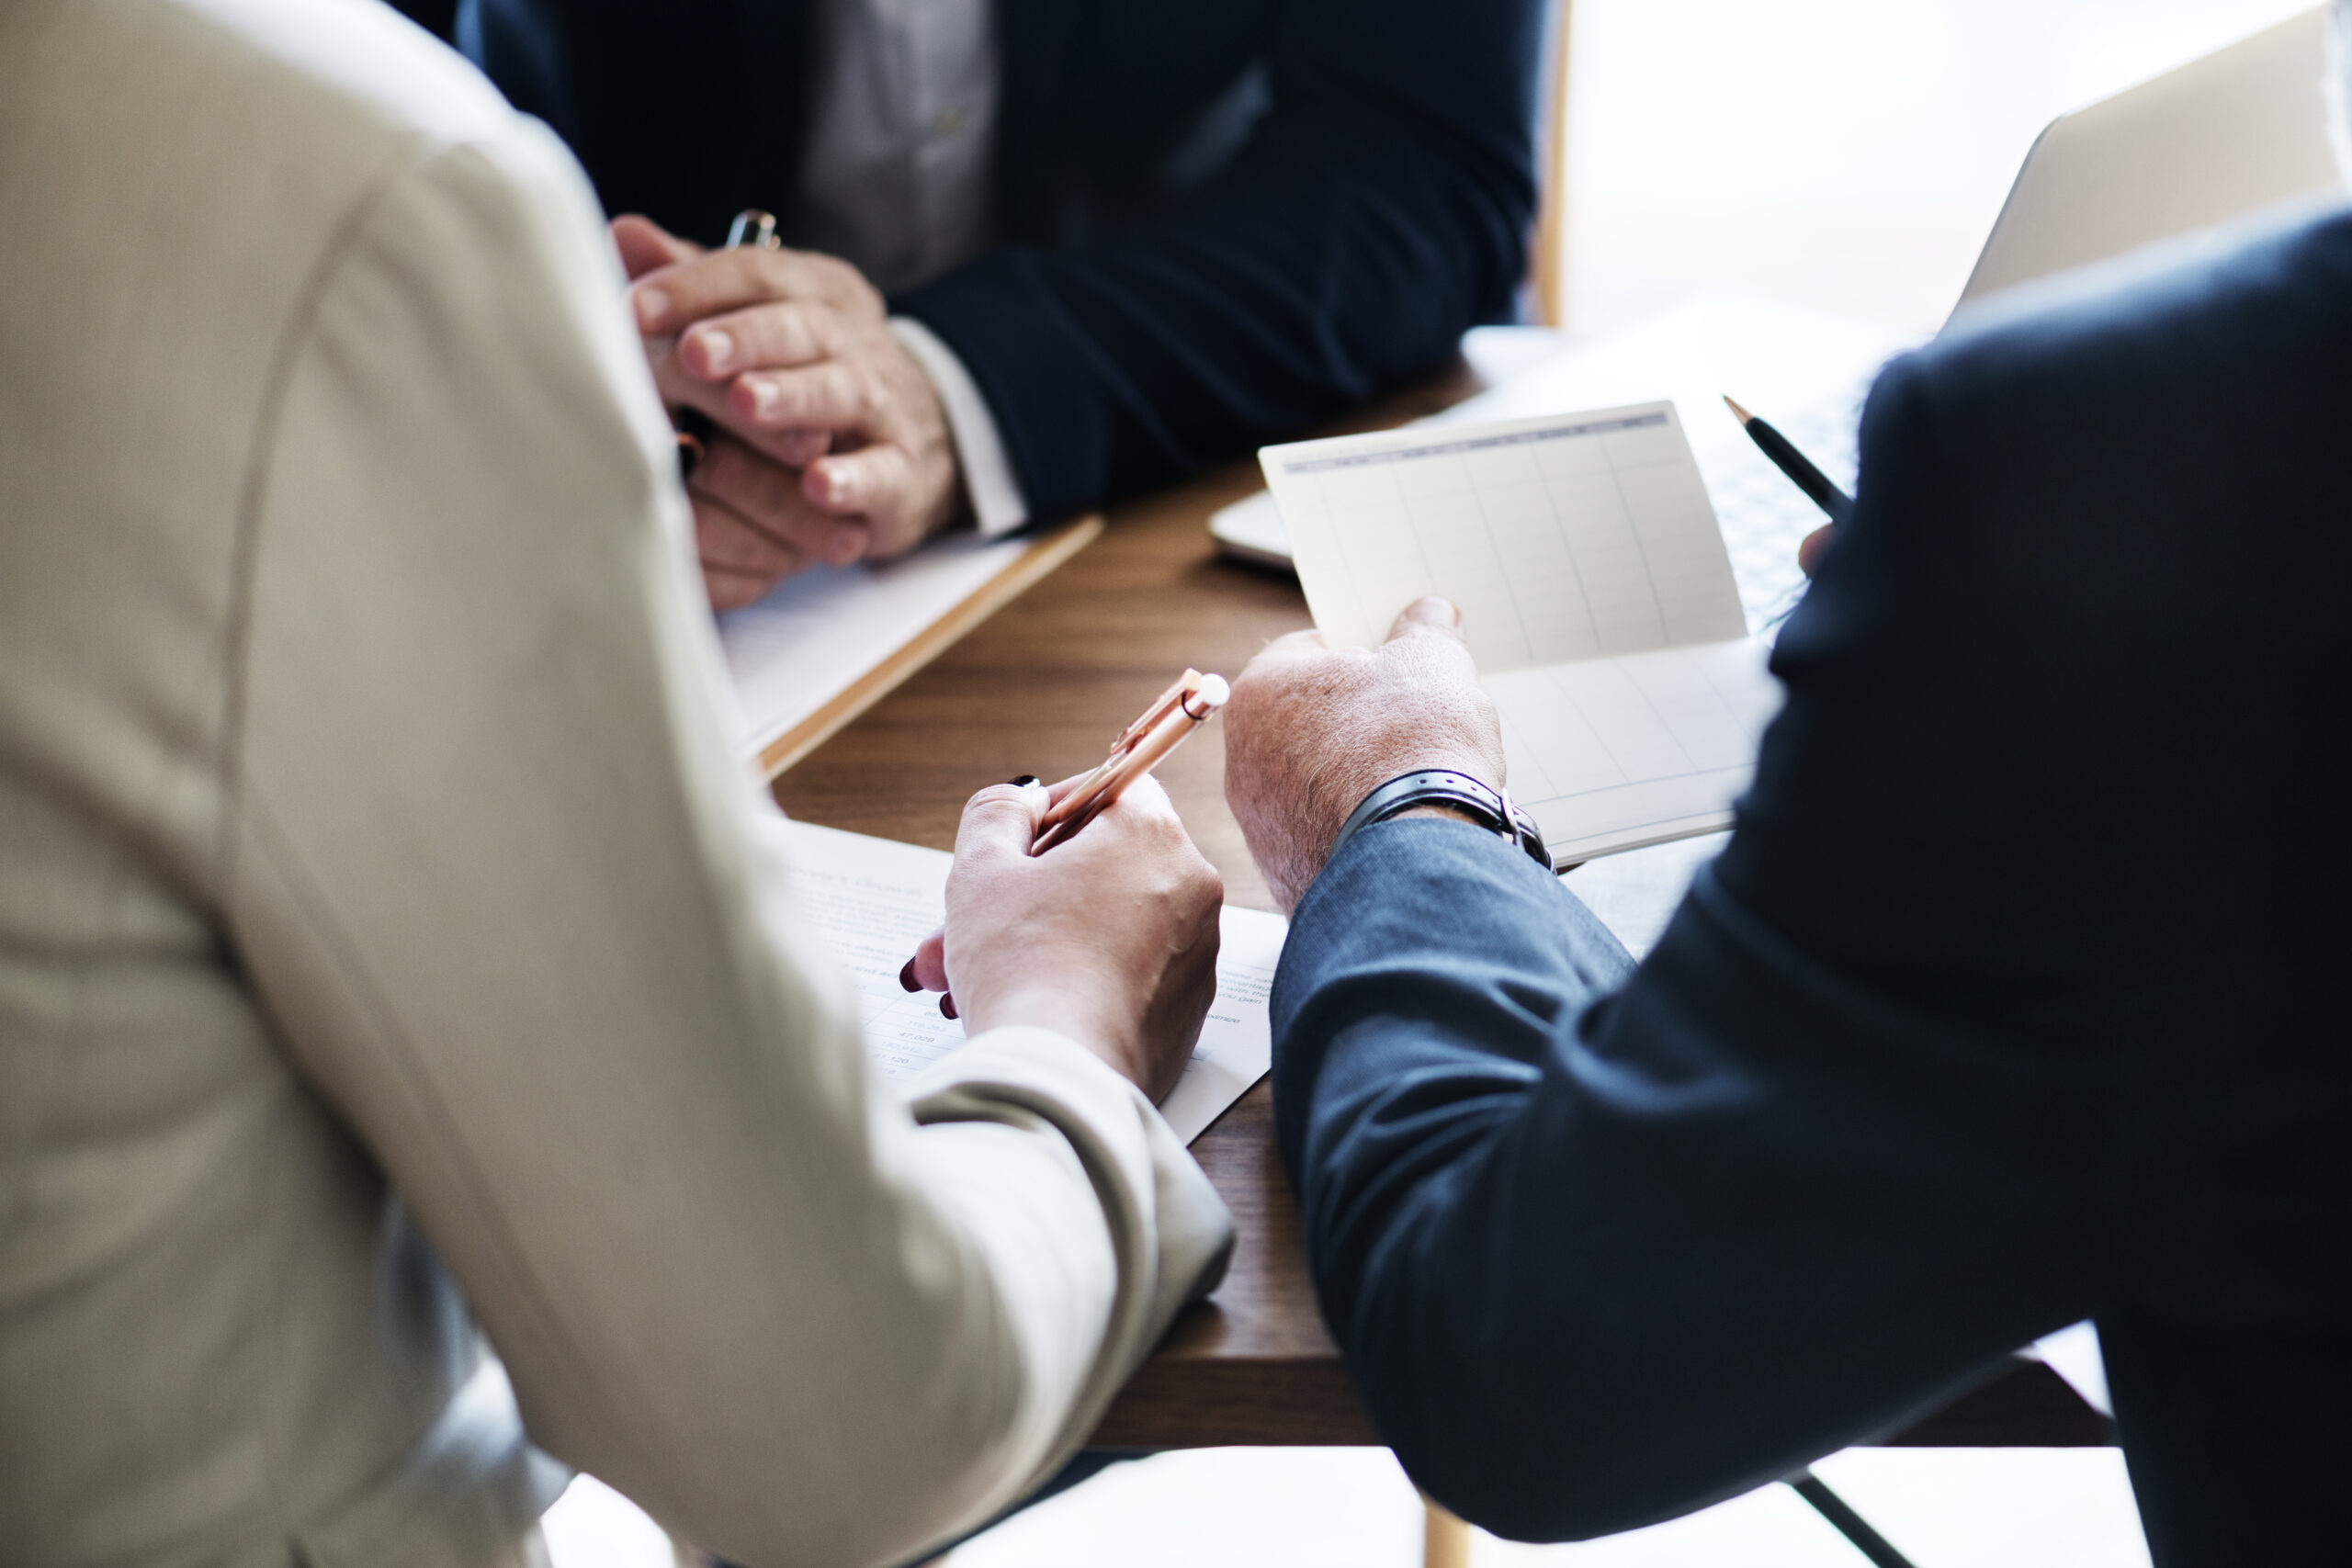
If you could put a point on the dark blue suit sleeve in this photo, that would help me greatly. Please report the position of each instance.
(1603, 1244)
(1379, 209)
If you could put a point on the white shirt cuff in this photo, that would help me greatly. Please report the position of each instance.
(997, 502)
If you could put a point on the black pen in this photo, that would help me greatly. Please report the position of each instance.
(1793, 462)
(697, 429)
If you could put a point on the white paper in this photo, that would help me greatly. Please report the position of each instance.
(1610, 754)
(1594, 592)
(2074, 1355)
(874, 898)
(1560, 538)
(1635, 894)
(822, 630)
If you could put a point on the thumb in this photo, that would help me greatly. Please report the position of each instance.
(645, 245)
(1815, 549)
(1433, 614)
(1001, 821)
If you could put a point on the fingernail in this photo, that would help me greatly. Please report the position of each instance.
(1027, 781)
(1437, 610)
(946, 1004)
(652, 309)
(907, 981)
(718, 348)
(765, 397)
(848, 544)
(837, 490)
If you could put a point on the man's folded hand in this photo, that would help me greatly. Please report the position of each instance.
(836, 447)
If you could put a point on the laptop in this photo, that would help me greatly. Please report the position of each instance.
(2240, 132)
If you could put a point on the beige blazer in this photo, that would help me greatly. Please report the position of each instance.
(378, 892)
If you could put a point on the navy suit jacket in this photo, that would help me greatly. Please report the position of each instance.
(1224, 219)
(2018, 997)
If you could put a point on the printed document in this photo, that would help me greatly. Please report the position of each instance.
(874, 899)
(1595, 591)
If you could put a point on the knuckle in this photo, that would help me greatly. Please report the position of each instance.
(814, 325)
(994, 800)
(851, 284)
(758, 396)
(769, 271)
(787, 337)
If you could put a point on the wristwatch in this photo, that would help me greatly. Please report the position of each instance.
(1441, 786)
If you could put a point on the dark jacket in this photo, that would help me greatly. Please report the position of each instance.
(1224, 219)
(2017, 998)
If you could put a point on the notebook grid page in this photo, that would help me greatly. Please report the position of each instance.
(1560, 539)
(1665, 737)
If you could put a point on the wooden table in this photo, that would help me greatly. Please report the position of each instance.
(1040, 688)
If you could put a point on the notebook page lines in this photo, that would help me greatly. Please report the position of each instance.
(1618, 728)
(1560, 539)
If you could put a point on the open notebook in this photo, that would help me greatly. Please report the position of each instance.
(874, 898)
(1594, 592)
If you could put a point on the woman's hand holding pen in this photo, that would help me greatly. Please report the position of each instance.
(1110, 939)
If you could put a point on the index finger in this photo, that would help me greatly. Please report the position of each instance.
(670, 298)
(1111, 826)
(645, 246)
(1144, 800)
(999, 822)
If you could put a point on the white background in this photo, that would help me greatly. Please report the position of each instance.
(1846, 154)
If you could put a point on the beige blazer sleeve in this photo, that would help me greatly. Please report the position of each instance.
(511, 901)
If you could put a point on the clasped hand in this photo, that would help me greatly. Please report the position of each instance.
(834, 447)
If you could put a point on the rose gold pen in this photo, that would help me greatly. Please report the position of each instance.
(1183, 707)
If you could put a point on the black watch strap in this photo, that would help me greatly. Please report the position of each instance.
(1442, 786)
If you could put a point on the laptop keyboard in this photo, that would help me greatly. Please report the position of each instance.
(1764, 516)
